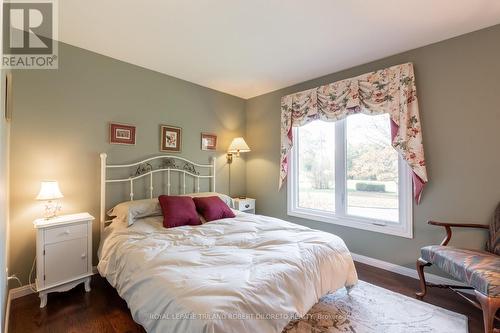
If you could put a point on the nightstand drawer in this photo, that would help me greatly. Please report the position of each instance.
(66, 232)
(244, 205)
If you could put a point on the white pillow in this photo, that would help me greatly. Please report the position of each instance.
(130, 211)
(227, 199)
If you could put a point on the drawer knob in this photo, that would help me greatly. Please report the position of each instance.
(84, 256)
(247, 205)
(66, 232)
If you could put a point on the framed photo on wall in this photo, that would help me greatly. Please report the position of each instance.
(208, 141)
(121, 134)
(171, 138)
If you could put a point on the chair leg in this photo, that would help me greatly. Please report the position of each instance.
(490, 306)
(421, 263)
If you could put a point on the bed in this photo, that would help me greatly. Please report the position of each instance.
(249, 273)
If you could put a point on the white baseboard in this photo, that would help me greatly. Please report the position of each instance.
(13, 294)
(21, 291)
(26, 290)
(432, 278)
(7, 315)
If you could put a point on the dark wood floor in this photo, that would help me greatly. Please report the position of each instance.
(102, 310)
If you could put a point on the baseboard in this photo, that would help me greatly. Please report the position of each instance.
(21, 291)
(13, 294)
(432, 278)
(7, 315)
(26, 290)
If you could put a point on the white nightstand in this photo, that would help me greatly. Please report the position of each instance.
(246, 205)
(63, 253)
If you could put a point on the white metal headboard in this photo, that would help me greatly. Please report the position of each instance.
(144, 169)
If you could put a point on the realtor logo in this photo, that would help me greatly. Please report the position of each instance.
(29, 34)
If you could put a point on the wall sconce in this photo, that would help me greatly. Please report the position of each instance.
(49, 191)
(237, 146)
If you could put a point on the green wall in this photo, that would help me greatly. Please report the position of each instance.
(458, 83)
(60, 125)
(61, 117)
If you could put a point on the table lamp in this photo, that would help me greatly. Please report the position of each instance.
(50, 192)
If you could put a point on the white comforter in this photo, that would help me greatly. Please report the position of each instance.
(246, 274)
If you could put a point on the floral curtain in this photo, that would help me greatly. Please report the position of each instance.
(391, 90)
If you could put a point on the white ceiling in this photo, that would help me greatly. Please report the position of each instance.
(251, 47)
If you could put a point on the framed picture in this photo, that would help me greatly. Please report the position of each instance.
(208, 141)
(121, 134)
(171, 138)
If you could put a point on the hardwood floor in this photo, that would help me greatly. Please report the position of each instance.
(102, 310)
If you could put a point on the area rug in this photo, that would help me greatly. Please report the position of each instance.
(371, 309)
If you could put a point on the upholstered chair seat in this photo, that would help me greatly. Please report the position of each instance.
(478, 269)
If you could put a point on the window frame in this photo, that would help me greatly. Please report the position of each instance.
(403, 228)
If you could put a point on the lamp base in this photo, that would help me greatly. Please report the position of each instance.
(51, 209)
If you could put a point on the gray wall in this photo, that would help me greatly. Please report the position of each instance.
(458, 84)
(60, 125)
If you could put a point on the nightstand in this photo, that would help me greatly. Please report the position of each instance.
(246, 205)
(63, 253)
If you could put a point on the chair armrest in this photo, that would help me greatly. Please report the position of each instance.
(459, 225)
(448, 227)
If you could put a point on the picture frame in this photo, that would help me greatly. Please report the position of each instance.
(208, 141)
(121, 134)
(170, 138)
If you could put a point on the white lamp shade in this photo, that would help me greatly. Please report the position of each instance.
(49, 190)
(238, 145)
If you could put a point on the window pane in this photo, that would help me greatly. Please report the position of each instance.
(316, 147)
(371, 168)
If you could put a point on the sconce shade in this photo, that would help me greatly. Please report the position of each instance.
(238, 145)
(49, 190)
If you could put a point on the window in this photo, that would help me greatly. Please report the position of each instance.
(347, 173)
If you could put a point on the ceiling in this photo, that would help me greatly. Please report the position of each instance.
(250, 47)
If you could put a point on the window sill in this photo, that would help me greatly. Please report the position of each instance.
(400, 230)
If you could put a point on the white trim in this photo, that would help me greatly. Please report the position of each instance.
(340, 217)
(21, 291)
(157, 158)
(26, 290)
(7, 314)
(102, 208)
(432, 278)
(351, 222)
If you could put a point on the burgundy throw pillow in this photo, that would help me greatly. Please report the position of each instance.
(212, 208)
(178, 211)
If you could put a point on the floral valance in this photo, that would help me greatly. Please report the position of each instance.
(391, 90)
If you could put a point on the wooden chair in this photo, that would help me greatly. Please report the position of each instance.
(479, 270)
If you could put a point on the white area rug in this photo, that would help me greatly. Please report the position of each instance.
(371, 309)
